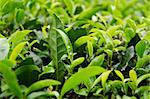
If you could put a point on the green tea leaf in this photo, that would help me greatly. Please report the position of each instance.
(3, 3)
(56, 43)
(112, 30)
(142, 61)
(20, 15)
(45, 34)
(132, 85)
(70, 6)
(67, 43)
(109, 53)
(104, 77)
(141, 78)
(119, 74)
(16, 51)
(108, 39)
(35, 95)
(79, 77)
(140, 48)
(142, 89)
(88, 13)
(96, 81)
(82, 40)
(97, 61)
(32, 43)
(77, 61)
(41, 84)
(4, 48)
(11, 79)
(28, 68)
(133, 75)
(127, 97)
(47, 69)
(90, 48)
(129, 34)
(116, 85)
(132, 24)
(11, 5)
(62, 13)
(27, 74)
(18, 36)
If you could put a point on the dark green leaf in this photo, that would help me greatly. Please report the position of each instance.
(67, 43)
(11, 79)
(56, 43)
(20, 15)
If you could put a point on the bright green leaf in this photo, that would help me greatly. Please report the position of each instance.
(142, 89)
(133, 75)
(104, 77)
(82, 40)
(129, 34)
(141, 78)
(45, 34)
(16, 51)
(140, 48)
(119, 74)
(18, 36)
(96, 81)
(77, 61)
(97, 61)
(70, 6)
(36, 95)
(79, 77)
(41, 84)
(132, 24)
(90, 48)
(142, 61)
(86, 14)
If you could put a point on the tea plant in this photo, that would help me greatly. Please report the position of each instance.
(75, 49)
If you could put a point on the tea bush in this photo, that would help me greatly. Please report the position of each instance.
(86, 49)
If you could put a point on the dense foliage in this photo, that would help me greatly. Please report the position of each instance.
(95, 49)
